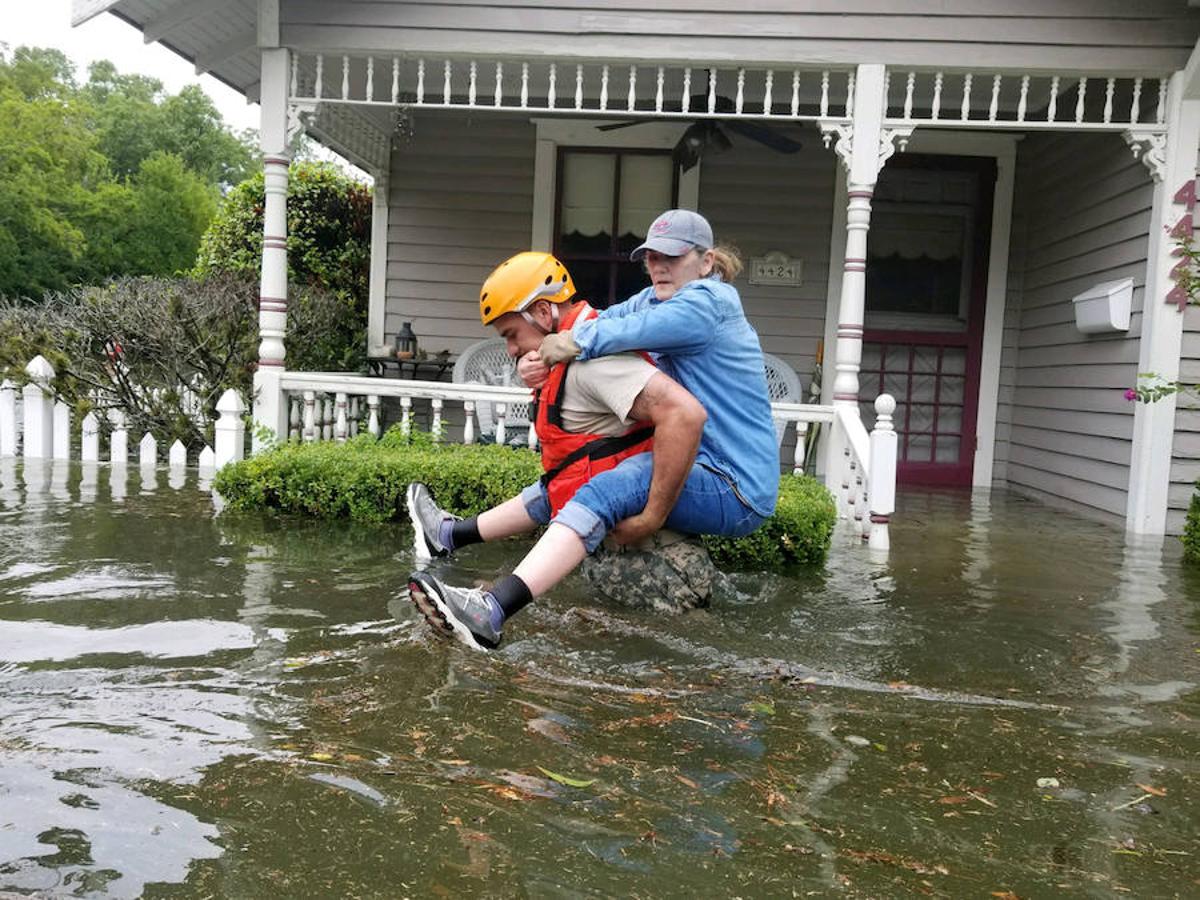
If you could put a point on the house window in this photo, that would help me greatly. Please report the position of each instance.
(606, 201)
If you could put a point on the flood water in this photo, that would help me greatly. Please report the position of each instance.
(216, 706)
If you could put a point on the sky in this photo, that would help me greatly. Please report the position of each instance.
(47, 23)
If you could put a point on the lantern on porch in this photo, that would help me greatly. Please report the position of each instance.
(406, 342)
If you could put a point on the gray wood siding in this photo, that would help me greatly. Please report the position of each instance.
(1185, 451)
(1082, 216)
(460, 202)
(1151, 36)
(760, 201)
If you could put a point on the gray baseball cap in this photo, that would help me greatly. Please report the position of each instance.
(676, 232)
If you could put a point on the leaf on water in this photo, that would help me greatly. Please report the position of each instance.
(683, 779)
(455, 762)
(508, 793)
(566, 779)
(953, 799)
(1047, 782)
(1157, 792)
(321, 756)
(882, 748)
(765, 707)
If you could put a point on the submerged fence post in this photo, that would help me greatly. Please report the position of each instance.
(89, 438)
(118, 439)
(230, 429)
(37, 409)
(8, 418)
(177, 455)
(148, 451)
(883, 472)
(62, 431)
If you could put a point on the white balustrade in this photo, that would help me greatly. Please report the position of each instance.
(8, 418)
(230, 429)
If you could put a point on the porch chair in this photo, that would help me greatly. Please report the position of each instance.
(488, 362)
(783, 384)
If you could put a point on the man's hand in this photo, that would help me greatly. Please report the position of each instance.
(558, 347)
(635, 528)
(532, 371)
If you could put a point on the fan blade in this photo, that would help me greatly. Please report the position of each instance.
(765, 135)
(613, 126)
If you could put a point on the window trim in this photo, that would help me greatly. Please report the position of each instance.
(583, 134)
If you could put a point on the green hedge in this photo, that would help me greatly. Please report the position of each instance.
(365, 479)
(1191, 529)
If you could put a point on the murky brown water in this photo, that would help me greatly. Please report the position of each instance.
(196, 706)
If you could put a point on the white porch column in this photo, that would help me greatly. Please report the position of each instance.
(377, 293)
(1162, 315)
(862, 161)
(269, 407)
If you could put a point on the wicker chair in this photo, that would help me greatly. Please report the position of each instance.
(488, 362)
(783, 384)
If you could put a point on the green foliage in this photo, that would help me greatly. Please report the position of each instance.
(110, 178)
(1191, 529)
(798, 533)
(329, 247)
(365, 479)
(1151, 386)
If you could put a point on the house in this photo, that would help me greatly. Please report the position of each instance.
(927, 187)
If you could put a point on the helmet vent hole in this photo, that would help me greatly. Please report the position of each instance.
(484, 297)
(549, 278)
(564, 278)
(487, 310)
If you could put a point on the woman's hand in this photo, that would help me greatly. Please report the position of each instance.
(531, 370)
(558, 347)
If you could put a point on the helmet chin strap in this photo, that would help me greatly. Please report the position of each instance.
(538, 325)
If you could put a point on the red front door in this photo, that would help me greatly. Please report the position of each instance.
(927, 254)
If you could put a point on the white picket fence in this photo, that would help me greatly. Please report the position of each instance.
(35, 425)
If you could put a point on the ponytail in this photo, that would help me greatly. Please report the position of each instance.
(727, 262)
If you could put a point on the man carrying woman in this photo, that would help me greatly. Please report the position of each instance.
(691, 323)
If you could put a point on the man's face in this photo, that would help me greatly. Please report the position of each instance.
(520, 336)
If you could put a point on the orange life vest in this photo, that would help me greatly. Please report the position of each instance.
(570, 459)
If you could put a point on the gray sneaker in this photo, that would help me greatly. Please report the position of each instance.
(427, 518)
(454, 612)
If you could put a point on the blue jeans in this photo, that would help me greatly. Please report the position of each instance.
(708, 503)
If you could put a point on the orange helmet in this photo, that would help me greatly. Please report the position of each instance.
(520, 280)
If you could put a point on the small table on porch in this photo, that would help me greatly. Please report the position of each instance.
(430, 369)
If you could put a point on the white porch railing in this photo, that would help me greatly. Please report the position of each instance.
(860, 468)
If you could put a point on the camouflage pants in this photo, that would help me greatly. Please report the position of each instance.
(667, 572)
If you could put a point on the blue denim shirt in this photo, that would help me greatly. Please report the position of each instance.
(701, 338)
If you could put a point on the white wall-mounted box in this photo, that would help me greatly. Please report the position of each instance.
(1104, 307)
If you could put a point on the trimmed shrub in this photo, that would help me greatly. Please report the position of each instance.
(1191, 529)
(365, 479)
(798, 533)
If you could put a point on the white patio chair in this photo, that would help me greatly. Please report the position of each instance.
(488, 362)
(783, 384)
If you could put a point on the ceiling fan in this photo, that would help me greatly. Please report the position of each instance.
(705, 136)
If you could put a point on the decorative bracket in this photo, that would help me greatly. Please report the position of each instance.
(890, 140)
(300, 114)
(1151, 148)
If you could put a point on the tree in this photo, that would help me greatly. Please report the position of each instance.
(329, 249)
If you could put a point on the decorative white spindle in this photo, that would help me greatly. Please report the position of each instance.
(604, 87)
(524, 85)
(405, 415)
(354, 416)
(824, 92)
(447, 95)
(37, 409)
(62, 431)
(767, 86)
(909, 88)
(798, 453)
(370, 78)
(936, 111)
(295, 79)
(1023, 103)
(8, 418)
(294, 419)
(310, 417)
(469, 421)
(550, 90)
(230, 429)
(740, 99)
(1052, 110)
(579, 87)
(395, 80)
(420, 81)
(118, 439)
(341, 425)
(498, 96)
(471, 84)
(501, 410)
(631, 100)
(1109, 87)
(177, 455)
(327, 419)
(712, 91)
(345, 77)
(685, 102)
(964, 111)
(148, 451)
(436, 426)
(1160, 114)
(658, 91)
(1080, 99)
(994, 106)
(319, 85)
(89, 439)
(883, 472)
(850, 94)
(373, 415)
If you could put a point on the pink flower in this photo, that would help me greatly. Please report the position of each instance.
(1130, 394)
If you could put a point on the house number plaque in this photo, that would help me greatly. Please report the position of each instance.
(775, 268)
